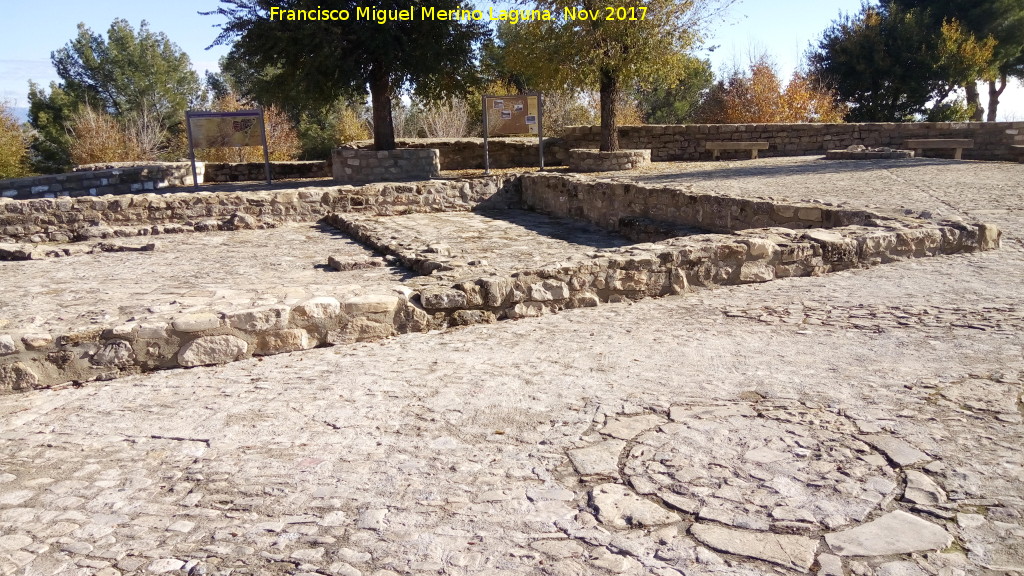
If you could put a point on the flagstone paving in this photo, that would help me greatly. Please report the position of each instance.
(867, 422)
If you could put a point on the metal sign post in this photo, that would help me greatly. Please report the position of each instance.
(226, 130)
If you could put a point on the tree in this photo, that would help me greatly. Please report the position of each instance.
(318, 62)
(758, 96)
(890, 66)
(580, 48)
(678, 103)
(1001, 20)
(137, 77)
(13, 149)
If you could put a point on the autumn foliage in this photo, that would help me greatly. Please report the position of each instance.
(758, 96)
(13, 148)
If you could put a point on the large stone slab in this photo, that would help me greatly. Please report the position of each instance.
(795, 552)
(896, 449)
(894, 533)
(599, 459)
(620, 507)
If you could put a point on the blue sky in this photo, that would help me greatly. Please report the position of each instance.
(783, 29)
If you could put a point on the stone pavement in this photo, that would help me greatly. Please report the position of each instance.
(184, 273)
(867, 422)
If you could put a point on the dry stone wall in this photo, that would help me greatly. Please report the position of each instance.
(468, 153)
(761, 241)
(256, 171)
(89, 218)
(356, 166)
(102, 179)
(992, 140)
(592, 160)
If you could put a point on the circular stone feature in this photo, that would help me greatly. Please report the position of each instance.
(769, 465)
(590, 160)
(858, 152)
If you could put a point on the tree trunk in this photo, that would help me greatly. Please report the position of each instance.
(974, 100)
(381, 93)
(609, 103)
(993, 96)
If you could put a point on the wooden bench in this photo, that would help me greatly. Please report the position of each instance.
(1018, 150)
(717, 147)
(918, 146)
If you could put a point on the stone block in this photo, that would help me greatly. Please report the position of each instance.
(17, 376)
(201, 322)
(212, 350)
(7, 345)
(319, 308)
(278, 341)
(259, 319)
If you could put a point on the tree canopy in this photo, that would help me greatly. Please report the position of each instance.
(614, 46)
(136, 76)
(317, 62)
(890, 65)
(1000, 20)
(759, 96)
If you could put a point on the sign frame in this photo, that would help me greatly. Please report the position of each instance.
(487, 99)
(256, 113)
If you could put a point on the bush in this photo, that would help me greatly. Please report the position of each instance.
(13, 146)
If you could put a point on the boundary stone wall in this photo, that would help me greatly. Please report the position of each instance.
(255, 171)
(992, 140)
(357, 166)
(468, 153)
(103, 179)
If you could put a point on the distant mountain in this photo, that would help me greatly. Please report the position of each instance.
(21, 114)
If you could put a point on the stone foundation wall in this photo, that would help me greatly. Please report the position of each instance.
(992, 140)
(88, 218)
(255, 171)
(34, 360)
(103, 179)
(593, 160)
(355, 166)
(451, 294)
(468, 295)
(616, 205)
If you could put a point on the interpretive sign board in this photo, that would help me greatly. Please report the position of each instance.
(226, 130)
(516, 115)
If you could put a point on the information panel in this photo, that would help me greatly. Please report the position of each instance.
(512, 115)
(226, 129)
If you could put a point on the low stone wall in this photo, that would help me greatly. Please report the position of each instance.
(256, 172)
(33, 360)
(467, 294)
(592, 160)
(451, 294)
(468, 153)
(615, 205)
(89, 218)
(356, 166)
(992, 140)
(102, 179)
